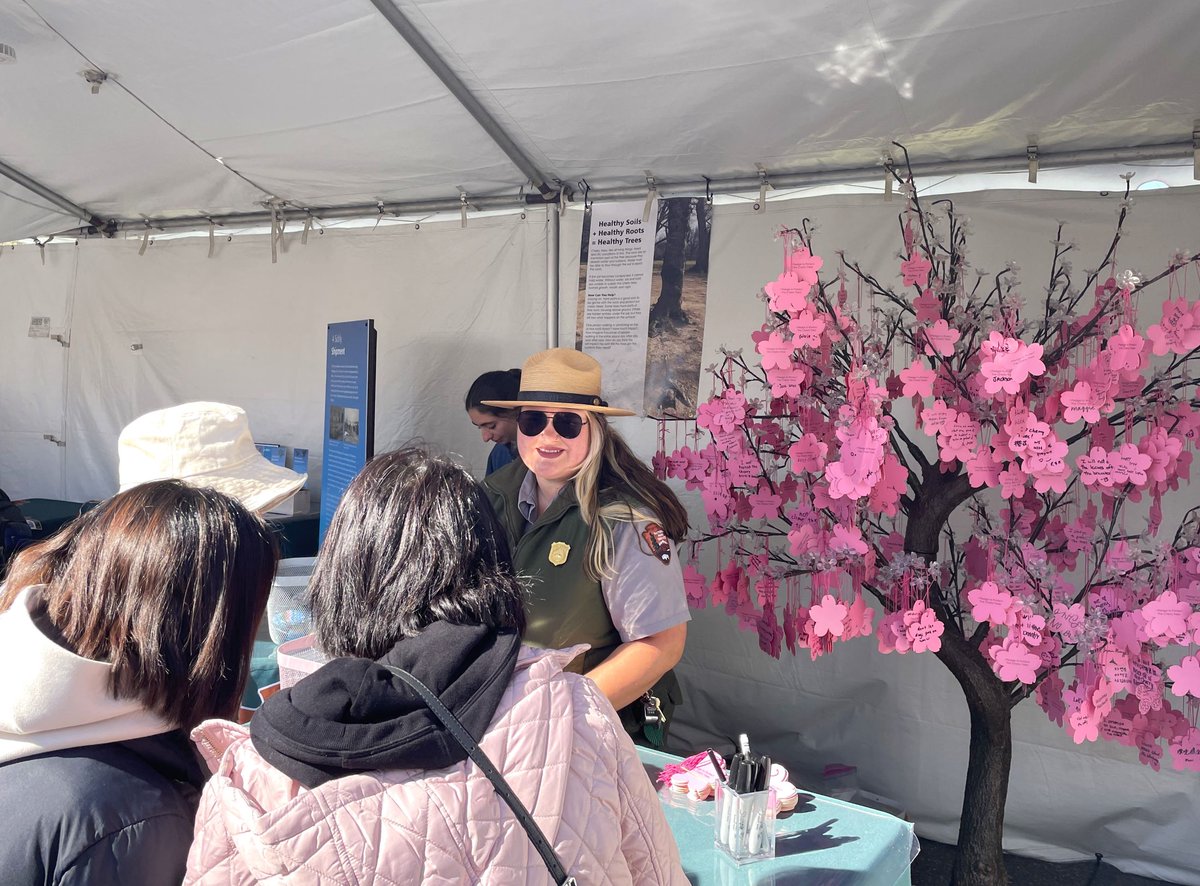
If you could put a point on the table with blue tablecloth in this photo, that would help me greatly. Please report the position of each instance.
(822, 842)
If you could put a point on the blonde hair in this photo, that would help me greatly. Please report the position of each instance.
(610, 464)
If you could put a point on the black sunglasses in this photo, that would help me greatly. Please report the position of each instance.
(532, 422)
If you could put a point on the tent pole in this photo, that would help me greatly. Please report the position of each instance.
(465, 97)
(684, 188)
(328, 213)
(552, 283)
(59, 201)
(786, 180)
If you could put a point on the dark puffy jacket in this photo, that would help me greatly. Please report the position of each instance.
(119, 813)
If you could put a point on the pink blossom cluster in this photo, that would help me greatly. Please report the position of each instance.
(1058, 426)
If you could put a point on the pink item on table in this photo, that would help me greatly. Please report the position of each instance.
(786, 795)
(699, 786)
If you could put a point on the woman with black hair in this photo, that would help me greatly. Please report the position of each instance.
(496, 425)
(118, 634)
(348, 776)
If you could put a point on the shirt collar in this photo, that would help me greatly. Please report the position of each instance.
(527, 497)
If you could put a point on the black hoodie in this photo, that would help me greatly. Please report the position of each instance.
(353, 715)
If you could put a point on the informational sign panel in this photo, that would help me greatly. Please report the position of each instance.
(349, 409)
(642, 301)
(620, 265)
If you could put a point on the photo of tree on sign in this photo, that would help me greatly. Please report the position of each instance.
(677, 301)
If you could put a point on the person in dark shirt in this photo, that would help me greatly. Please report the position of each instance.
(495, 425)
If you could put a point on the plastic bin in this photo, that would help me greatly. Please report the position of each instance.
(288, 616)
(297, 659)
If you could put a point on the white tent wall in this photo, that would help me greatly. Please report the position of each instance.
(32, 370)
(448, 303)
(902, 719)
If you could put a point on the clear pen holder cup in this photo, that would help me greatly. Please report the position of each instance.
(745, 824)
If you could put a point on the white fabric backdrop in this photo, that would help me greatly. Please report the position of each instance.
(32, 370)
(448, 303)
(901, 719)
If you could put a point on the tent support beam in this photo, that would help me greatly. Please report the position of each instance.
(465, 97)
(785, 181)
(553, 222)
(328, 213)
(688, 188)
(55, 199)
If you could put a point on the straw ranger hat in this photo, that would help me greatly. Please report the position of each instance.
(561, 378)
(207, 445)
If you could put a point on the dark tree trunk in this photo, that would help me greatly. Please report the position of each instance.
(703, 236)
(669, 307)
(980, 857)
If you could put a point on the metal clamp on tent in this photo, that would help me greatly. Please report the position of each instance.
(763, 184)
(1196, 151)
(651, 193)
(1031, 153)
(462, 207)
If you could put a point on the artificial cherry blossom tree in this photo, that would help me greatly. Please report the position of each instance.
(1007, 521)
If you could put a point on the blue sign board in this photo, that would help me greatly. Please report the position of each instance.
(349, 409)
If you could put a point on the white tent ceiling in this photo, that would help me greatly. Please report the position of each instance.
(324, 104)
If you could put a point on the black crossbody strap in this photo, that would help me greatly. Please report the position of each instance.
(455, 728)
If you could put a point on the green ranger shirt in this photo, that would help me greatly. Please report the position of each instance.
(643, 596)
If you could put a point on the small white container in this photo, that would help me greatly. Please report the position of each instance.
(297, 659)
(745, 824)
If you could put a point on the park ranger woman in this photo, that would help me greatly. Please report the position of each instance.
(595, 534)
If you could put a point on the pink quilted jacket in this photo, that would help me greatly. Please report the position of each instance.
(555, 738)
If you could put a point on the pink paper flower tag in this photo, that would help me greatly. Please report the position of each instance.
(1167, 619)
(916, 270)
(1007, 364)
(776, 351)
(695, 586)
(1095, 469)
(764, 506)
(857, 469)
(829, 617)
(928, 307)
(918, 380)
(787, 382)
(1125, 349)
(1185, 677)
(923, 628)
(935, 418)
(1179, 330)
(990, 603)
(958, 440)
(940, 338)
(1081, 402)
(807, 327)
(808, 454)
(1014, 661)
(804, 265)
(788, 293)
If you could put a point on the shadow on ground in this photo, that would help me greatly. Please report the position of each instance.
(933, 866)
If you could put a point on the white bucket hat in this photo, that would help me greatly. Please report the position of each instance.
(203, 444)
